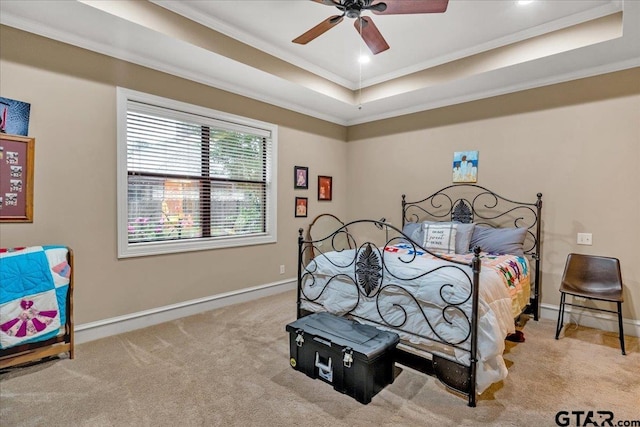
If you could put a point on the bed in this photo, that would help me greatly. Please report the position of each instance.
(36, 303)
(452, 280)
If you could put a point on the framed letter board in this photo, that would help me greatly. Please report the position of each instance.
(16, 178)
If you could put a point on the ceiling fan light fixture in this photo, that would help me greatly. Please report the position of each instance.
(364, 59)
(353, 13)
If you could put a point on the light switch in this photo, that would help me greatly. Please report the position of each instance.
(585, 239)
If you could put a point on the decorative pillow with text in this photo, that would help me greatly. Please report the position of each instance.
(440, 238)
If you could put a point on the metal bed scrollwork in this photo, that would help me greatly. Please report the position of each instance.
(484, 207)
(437, 303)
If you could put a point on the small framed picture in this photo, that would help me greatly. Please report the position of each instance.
(325, 187)
(14, 117)
(301, 207)
(465, 166)
(300, 177)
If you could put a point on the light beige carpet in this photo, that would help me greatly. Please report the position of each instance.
(230, 367)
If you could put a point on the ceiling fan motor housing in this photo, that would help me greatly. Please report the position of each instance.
(352, 9)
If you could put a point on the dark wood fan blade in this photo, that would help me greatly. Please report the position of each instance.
(398, 7)
(371, 35)
(319, 29)
(327, 2)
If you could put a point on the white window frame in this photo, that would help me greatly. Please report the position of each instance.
(126, 249)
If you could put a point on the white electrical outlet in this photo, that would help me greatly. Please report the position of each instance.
(585, 239)
(282, 269)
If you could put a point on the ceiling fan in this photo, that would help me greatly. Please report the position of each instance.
(364, 24)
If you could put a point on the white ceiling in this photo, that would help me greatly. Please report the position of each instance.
(334, 86)
(417, 41)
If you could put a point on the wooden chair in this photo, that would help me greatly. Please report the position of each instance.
(592, 277)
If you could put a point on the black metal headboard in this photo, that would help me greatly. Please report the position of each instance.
(469, 203)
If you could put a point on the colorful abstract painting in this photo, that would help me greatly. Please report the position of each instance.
(14, 116)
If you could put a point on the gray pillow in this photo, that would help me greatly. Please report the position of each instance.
(463, 237)
(414, 231)
(499, 240)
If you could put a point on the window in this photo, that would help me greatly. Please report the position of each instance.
(191, 178)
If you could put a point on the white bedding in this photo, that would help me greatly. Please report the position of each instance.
(504, 290)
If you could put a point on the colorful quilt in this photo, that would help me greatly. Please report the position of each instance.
(513, 270)
(34, 283)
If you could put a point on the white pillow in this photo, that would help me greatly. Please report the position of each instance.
(463, 234)
(440, 238)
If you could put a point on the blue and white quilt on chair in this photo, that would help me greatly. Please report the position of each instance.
(34, 282)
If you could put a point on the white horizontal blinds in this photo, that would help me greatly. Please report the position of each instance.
(193, 177)
(238, 169)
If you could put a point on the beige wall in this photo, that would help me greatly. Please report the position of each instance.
(577, 143)
(73, 118)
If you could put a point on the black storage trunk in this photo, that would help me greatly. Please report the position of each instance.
(356, 359)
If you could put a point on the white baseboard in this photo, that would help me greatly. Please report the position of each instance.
(117, 325)
(592, 319)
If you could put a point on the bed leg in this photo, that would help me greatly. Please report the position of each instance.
(536, 310)
(472, 400)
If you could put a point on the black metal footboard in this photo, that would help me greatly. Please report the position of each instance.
(387, 282)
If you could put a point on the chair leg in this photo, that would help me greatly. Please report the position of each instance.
(560, 314)
(621, 332)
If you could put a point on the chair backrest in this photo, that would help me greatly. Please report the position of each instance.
(597, 275)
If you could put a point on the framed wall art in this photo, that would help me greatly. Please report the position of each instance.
(465, 166)
(301, 207)
(14, 116)
(300, 177)
(16, 178)
(325, 187)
